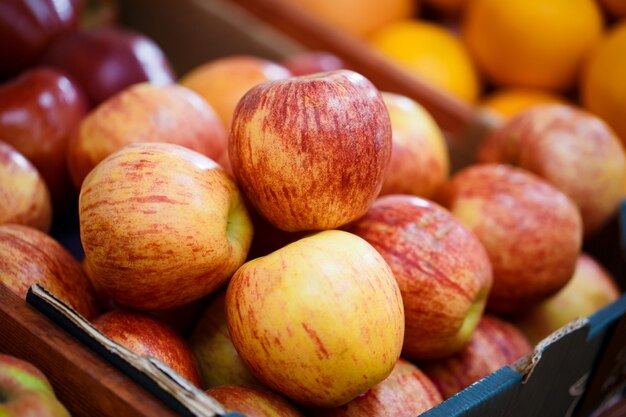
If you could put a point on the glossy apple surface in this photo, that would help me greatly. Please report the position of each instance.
(26, 391)
(531, 231)
(146, 336)
(253, 401)
(590, 289)
(29, 256)
(573, 150)
(27, 28)
(494, 344)
(442, 269)
(218, 360)
(38, 112)
(161, 226)
(311, 62)
(320, 320)
(406, 392)
(145, 113)
(106, 60)
(24, 196)
(242, 72)
(419, 154)
(310, 152)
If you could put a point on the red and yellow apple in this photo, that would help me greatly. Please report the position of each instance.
(573, 150)
(406, 392)
(147, 336)
(320, 320)
(145, 113)
(531, 231)
(590, 289)
(26, 391)
(218, 360)
(38, 112)
(29, 256)
(494, 344)
(419, 154)
(311, 62)
(253, 401)
(223, 81)
(161, 226)
(443, 271)
(24, 196)
(311, 152)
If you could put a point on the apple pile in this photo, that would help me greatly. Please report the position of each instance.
(296, 244)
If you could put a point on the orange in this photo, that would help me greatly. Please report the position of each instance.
(358, 17)
(507, 102)
(531, 43)
(432, 53)
(603, 83)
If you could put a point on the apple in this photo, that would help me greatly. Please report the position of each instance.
(311, 152)
(406, 392)
(147, 336)
(253, 401)
(223, 81)
(38, 112)
(145, 113)
(25, 197)
(161, 226)
(590, 289)
(26, 391)
(311, 62)
(573, 150)
(320, 320)
(531, 231)
(494, 344)
(420, 163)
(106, 60)
(442, 269)
(29, 256)
(27, 28)
(218, 360)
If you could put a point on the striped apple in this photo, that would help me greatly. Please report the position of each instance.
(253, 401)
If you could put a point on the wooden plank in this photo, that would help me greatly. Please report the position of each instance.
(86, 384)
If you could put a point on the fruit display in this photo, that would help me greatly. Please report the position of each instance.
(290, 238)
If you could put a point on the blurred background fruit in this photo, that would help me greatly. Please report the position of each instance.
(507, 102)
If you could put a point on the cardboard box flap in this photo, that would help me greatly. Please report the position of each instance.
(156, 377)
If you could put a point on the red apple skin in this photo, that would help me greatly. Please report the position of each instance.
(494, 344)
(320, 320)
(38, 112)
(572, 149)
(29, 256)
(253, 401)
(420, 163)
(311, 62)
(242, 72)
(27, 28)
(442, 269)
(106, 60)
(531, 231)
(590, 289)
(218, 360)
(311, 152)
(161, 226)
(24, 197)
(176, 115)
(406, 392)
(147, 336)
(26, 391)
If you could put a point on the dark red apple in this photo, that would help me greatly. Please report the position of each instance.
(311, 62)
(38, 112)
(495, 343)
(147, 336)
(253, 401)
(106, 60)
(29, 256)
(28, 27)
